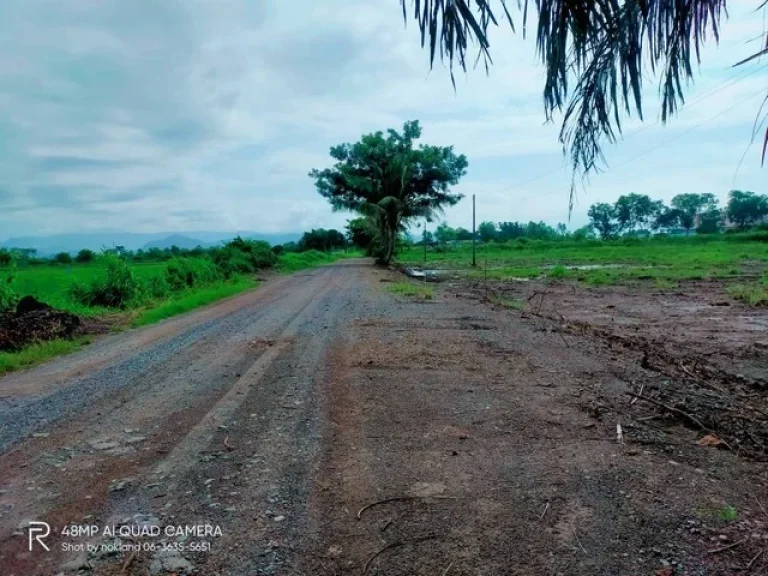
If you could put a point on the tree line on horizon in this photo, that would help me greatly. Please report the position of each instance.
(638, 214)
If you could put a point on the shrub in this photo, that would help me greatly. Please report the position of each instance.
(8, 295)
(181, 273)
(119, 288)
(243, 256)
(558, 271)
(85, 255)
(63, 258)
(6, 257)
(158, 287)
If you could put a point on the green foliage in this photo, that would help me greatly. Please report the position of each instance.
(633, 211)
(241, 256)
(391, 181)
(667, 219)
(322, 239)
(183, 273)
(728, 513)
(753, 294)
(583, 233)
(8, 295)
(37, 353)
(445, 234)
(85, 256)
(293, 261)
(746, 208)
(558, 271)
(602, 217)
(6, 258)
(63, 258)
(191, 300)
(690, 206)
(710, 222)
(118, 288)
(487, 231)
(623, 260)
(361, 233)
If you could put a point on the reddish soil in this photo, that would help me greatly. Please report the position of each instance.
(329, 427)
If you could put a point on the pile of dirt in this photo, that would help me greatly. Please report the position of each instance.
(35, 321)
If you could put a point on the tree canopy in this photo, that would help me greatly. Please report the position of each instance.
(594, 54)
(389, 180)
(745, 208)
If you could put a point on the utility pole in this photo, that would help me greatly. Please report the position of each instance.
(425, 243)
(474, 234)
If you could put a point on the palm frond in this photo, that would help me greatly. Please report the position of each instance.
(593, 52)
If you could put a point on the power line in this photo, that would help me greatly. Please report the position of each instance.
(735, 79)
(691, 129)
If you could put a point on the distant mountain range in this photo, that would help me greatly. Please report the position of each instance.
(175, 240)
(49, 245)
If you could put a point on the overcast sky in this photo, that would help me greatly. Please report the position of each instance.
(200, 115)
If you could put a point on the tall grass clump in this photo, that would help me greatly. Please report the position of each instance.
(183, 273)
(241, 256)
(754, 294)
(118, 288)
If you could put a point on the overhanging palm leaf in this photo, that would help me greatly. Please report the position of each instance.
(593, 52)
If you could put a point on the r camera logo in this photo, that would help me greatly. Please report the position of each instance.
(38, 531)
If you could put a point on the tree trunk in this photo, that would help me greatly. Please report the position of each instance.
(388, 249)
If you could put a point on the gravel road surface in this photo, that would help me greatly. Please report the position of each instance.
(321, 425)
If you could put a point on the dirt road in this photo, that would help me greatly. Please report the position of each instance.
(321, 425)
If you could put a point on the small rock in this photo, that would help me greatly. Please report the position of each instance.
(119, 485)
(103, 444)
(135, 439)
(278, 518)
(334, 551)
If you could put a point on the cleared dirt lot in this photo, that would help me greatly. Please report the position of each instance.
(329, 427)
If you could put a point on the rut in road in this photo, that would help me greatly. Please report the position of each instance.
(328, 427)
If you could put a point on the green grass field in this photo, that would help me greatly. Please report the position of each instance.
(664, 261)
(52, 284)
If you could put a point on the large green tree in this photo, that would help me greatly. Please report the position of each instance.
(486, 231)
(389, 179)
(690, 207)
(596, 54)
(635, 211)
(602, 216)
(745, 208)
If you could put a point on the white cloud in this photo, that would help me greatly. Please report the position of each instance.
(197, 115)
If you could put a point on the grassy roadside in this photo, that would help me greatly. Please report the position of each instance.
(39, 353)
(192, 300)
(46, 284)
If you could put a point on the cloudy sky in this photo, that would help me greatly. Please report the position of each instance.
(200, 115)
